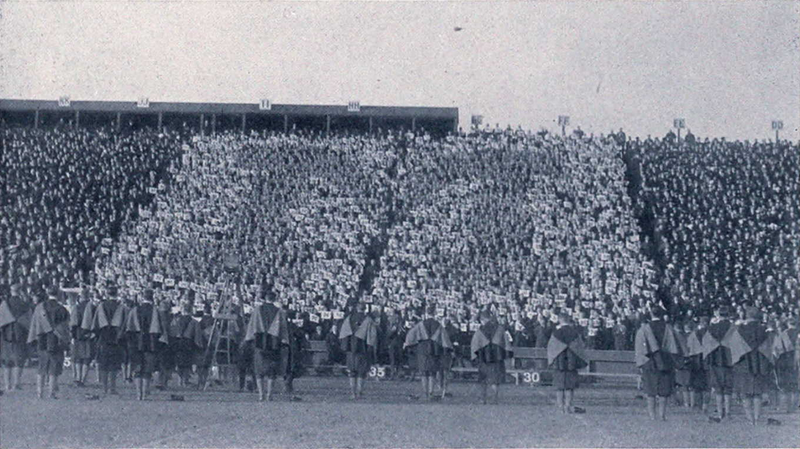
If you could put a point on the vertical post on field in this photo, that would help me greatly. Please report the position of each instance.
(202, 124)
(244, 123)
(285, 123)
(370, 125)
(36, 119)
(77, 119)
(328, 124)
(119, 120)
(160, 121)
(413, 123)
(213, 124)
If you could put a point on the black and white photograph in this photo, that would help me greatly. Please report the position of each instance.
(399, 224)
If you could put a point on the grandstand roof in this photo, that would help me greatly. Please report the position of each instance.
(232, 108)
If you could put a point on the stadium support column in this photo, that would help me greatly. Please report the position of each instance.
(327, 124)
(160, 120)
(36, 119)
(202, 124)
(213, 124)
(244, 123)
(285, 123)
(413, 123)
(77, 119)
(119, 120)
(370, 125)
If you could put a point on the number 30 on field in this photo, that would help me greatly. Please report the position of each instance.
(531, 377)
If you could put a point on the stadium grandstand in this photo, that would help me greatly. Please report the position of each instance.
(213, 117)
(528, 225)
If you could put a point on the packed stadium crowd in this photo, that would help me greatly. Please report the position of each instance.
(728, 222)
(67, 189)
(511, 230)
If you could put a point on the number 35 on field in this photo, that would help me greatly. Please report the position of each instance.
(531, 377)
(377, 371)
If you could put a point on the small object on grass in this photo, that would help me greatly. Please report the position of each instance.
(92, 397)
(578, 410)
(176, 397)
(714, 419)
(296, 399)
(639, 396)
(773, 422)
(413, 397)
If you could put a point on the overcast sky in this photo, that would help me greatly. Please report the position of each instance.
(729, 68)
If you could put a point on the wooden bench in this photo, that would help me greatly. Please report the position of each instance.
(602, 364)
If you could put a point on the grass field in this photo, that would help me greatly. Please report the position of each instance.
(387, 417)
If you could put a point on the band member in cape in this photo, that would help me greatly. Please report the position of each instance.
(717, 358)
(786, 370)
(446, 359)
(395, 340)
(698, 377)
(182, 346)
(752, 358)
(656, 349)
(358, 337)
(127, 304)
(50, 330)
(15, 320)
(431, 341)
(80, 323)
(244, 353)
(107, 324)
(268, 329)
(165, 362)
(197, 333)
(565, 356)
(491, 347)
(683, 371)
(143, 330)
(294, 355)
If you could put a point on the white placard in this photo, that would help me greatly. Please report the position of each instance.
(777, 125)
(64, 101)
(679, 123)
(354, 106)
(143, 102)
(265, 104)
(563, 120)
